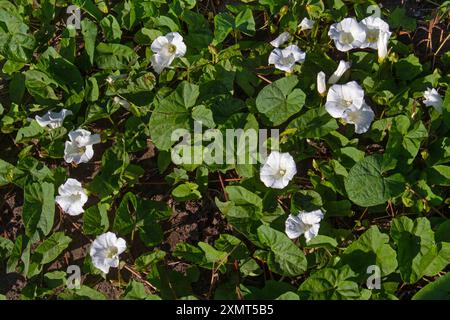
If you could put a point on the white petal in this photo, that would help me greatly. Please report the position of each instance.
(298, 54)
(294, 228)
(159, 43)
(321, 84)
(434, 99)
(43, 121)
(312, 217)
(121, 245)
(281, 39)
(306, 24)
(160, 62)
(341, 69)
(274, 56)
(312, 232)
(361, 118)
(382, 45)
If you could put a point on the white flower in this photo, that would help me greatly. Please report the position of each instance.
(433, 98)
(306, 24)
(321, 84)
(375, 27)
(307, 223)
(383, 46)
(285, 59)
(166, 49)
(342, 97)
(341, 69)
(109, 80)
(278, 170)
(347, 34)
(281, 39)
(71, 197)
(124, 103)
(79, 149)
(105, 251)
(361, 118)
(53, 119)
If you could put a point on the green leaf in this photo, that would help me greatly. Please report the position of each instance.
(83, 293)
(38, 208)
(418, 255)
(186, 191)
(95, 219)
(89, 31)
(330, 284)
(314, 123)
(111, 28)
(223, 25)
(6, 247)
(371, 248)
(439, 289)
(113, 56)
(399, 19)
(245, 23)
(135, 291)
(408, 68)
(367, 186)
(39, 85)
(284, 257)
(172, 113)
(279, 100)
(51, 248)
(204, 115)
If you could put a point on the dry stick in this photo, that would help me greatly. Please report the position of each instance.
(223, 187)
(263, 78)
(138, 275)
(131, 270)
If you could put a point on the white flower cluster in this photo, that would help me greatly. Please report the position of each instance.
(71, 198)
(277, 171)
(371, 32)
(285, 59)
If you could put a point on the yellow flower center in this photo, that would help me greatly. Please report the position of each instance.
(111, 253)
(346, 37)
(171, 48)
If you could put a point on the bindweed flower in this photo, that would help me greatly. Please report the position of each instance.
(79, 149)
(375, 27)
(361, 118)
(281, 39)
(433, 98)
(278, 170)
(306, 223)
(347, 34)
(341, 97)
(306, 24)
(383, 46)
(105, 251)
(53, 120)
(166, 49)
(285, 59)
(321, 83)
(341, 69)
(124, 103)
(72, 197)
